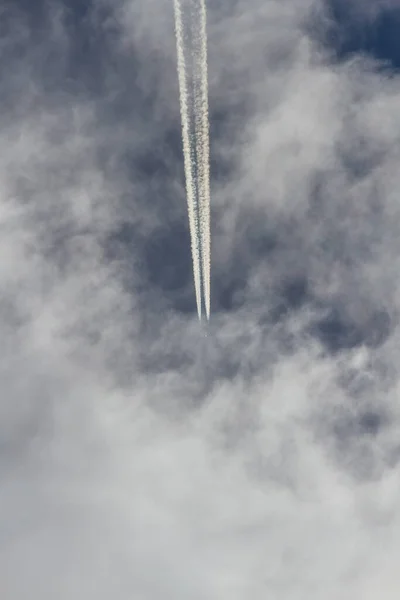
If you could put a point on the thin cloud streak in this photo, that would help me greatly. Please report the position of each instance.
(202, 138)
(188, 154)
(193, 75)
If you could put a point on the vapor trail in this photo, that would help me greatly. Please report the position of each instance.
(191, 40)
(203, 141)
(189, 163)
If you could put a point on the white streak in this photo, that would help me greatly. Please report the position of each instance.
(188, 164)
(201, 138)
(204, 167)
(195, 134)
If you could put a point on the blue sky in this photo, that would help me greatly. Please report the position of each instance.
(139, 458)
(353, 30)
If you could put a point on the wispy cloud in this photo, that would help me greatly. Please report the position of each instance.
(138, 458)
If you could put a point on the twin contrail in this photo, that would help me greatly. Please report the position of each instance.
(191, 43)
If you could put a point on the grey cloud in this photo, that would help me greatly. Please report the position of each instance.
(138, 457)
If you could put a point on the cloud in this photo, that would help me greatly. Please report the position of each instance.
(138, 457)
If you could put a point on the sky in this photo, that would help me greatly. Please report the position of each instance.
(140, 458)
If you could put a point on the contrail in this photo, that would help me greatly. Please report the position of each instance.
(189, 164)
(203, 141)
(195, 134)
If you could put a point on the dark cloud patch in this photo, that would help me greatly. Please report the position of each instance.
(167, 261)
(336, 333)
(357, 435)
(295, 292)
(64, 47)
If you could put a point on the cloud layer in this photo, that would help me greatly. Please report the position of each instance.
(140, 459)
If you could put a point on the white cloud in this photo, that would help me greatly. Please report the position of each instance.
(138, 458)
